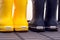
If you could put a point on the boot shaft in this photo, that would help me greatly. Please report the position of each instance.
(6, 8)
(20, 8)
(51, 9)
(59, 12)
(38, 9)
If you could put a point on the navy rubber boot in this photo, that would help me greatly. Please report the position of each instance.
(37, 22)
(50, 19)
(59, 12)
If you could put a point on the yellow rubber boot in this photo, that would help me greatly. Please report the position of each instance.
(6, 22)
(20, 21)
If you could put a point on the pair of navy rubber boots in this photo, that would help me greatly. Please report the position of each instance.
(38, 23)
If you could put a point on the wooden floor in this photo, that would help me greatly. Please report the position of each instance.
(30, 36)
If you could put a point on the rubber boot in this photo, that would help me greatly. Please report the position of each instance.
(37, 22)
(6, 21)
(50, 20)
(59, 12)
(20, 21)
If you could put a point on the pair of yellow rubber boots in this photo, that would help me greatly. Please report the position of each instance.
(18, 21)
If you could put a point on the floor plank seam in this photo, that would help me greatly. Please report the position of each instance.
(19, 36)
(47, 36)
